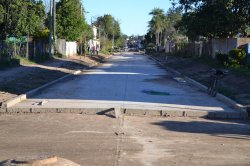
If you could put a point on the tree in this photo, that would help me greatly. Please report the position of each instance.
(173, 16)
(70, 20)
(20, 17)
(109, 26)
(157, 24)
(110, 29)
(220, 18)
(1, 14)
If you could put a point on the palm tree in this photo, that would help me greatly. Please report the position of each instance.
(173, 16)
(157, 25)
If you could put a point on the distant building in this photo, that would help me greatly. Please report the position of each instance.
(94, 44)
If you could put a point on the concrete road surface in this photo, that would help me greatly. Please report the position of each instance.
(128, 80)
(128, 141)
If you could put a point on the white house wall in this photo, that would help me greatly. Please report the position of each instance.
(71, 48)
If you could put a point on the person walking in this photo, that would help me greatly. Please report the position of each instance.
(97, 49)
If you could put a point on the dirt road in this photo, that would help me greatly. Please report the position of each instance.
(129, 141)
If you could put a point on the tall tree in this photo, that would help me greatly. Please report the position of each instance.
(157, 24)
(218, 18)
(20, 17)
(173, 16)
(70, 19)
(109, 28)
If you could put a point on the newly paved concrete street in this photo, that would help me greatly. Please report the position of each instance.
(132, 82)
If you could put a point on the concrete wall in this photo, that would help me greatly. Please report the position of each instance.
(66, 48)
(242, 41)
(225, 45)
(169, 47)
(71, 48)
(61, 46)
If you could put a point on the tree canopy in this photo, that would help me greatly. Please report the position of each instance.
(218, 18)
(162, 27)
(108, 26)
(157, 24)
(20, 17)
(109, 29)
(70, 19)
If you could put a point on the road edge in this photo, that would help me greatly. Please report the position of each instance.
(13, 101)
(202, 87)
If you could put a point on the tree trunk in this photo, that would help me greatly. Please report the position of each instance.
(14, 49)
(34, 49)
(157, 40)
(85, 50)
(160, 36)
(27, 46)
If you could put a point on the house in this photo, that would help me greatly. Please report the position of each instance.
(94, 44)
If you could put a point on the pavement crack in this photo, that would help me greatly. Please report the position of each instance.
(119, 142)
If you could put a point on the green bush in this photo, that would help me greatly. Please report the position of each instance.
(150, 47)
(237, 56)
(232, 63)
(222, 58)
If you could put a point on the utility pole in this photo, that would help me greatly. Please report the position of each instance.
(54, 25)
(113, 41)
(51, 29)
(113, 38)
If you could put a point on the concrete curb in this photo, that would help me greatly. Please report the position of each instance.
(219, 96)
(23, 97)
(13, 101)
(35, 91)
(202, 87)
(118, 112)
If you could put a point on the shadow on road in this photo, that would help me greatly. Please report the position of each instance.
(228, 129)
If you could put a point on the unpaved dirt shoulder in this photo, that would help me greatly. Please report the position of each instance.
(233, 85)
(19, 80)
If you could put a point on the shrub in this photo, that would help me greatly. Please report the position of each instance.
(237, 56)
(150, 47)
(222, 58)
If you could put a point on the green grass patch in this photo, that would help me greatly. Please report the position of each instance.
(105, 52)
(23, 60)
(17, 60)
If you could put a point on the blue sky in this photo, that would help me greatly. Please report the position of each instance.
(132, 14)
